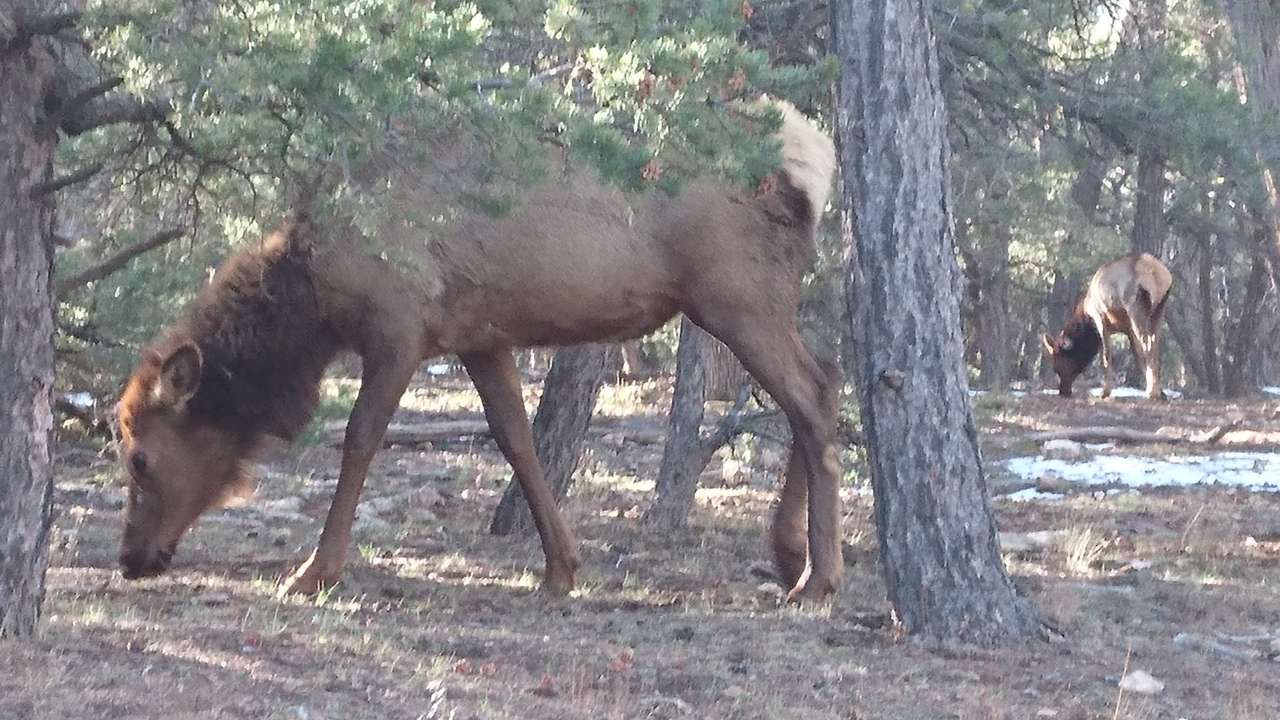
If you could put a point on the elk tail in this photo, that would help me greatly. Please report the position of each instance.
(1155, 310)
(808, 157)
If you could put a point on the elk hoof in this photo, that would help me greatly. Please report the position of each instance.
(561, 578)
(307, 580)
(791, 561)
(811, 590)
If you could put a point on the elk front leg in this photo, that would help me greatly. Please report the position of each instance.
(381, 388)
(498, 382)
(1106, 366)
(1151, 353)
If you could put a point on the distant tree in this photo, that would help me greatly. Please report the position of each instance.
(569, 394)
(937, 537)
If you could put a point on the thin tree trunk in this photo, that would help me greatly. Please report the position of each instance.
(933, 515)
(1243, 337)
(994, 341)
(1150, 228)
(1149, 225)
(569, 395)
(1208, 319)
(26, 325)
(1255, 24)
(683, 456)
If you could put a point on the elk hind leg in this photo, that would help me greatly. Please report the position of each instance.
(806, 390)
(1144, 337)
(495, 377)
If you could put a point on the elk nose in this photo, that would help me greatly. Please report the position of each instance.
(140, 564)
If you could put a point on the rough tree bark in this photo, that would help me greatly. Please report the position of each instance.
(995, 342)
(938, 548)
(1150, 228)
(569, 395)
(27, 141)
(1208, 317)
(1240, 339)
(1256, 27)
(682, 455)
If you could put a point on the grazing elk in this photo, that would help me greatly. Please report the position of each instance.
(1128, 296)
(572, 264)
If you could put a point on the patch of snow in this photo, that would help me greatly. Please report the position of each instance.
(1252, 470)
(82, 400)
(1271, 390)
(1132, 392)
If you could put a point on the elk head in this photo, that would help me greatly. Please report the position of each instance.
(177, 463)
(1066, 364)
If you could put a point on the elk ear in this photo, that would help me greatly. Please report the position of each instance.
(1050, 344)
(299, 237)
(179, 374)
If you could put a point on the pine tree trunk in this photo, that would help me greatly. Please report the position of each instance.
(933, 514)
(1208, 319)
(1149, 225)
(992, 323)
(684, 455)
(569, 395)
(1241, 338)
(1256, 27)
(26, 327)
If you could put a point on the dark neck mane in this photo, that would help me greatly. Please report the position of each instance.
(265, 344)
(1084, 337)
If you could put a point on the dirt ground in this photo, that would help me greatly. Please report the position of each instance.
(437, 619)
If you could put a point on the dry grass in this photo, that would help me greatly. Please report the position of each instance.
(436, 619)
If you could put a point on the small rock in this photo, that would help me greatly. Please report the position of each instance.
(769, 591)
(1064, 450)
(1046, 713)
(1030, 542)
(1140, 681)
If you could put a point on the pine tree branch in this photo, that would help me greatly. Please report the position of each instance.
(51, 24)
(115, 262)
(57, 184)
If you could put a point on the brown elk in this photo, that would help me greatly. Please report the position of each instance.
(1125, 296)
(572, 264)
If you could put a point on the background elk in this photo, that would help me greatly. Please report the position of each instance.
(1128, 296)
(572, 264)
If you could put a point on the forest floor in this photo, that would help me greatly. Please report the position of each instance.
(437, 619)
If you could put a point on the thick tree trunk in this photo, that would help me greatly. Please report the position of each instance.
(937, 536)
(569, 395)
(26, 325)
(684, 455)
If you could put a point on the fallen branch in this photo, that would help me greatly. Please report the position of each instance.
(1103, 433)
(456, 430)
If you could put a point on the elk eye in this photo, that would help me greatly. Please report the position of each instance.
(138, 462)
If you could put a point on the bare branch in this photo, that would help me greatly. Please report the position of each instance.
(50, 24)
(115, 262)
(57, 184)
(112, 110)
